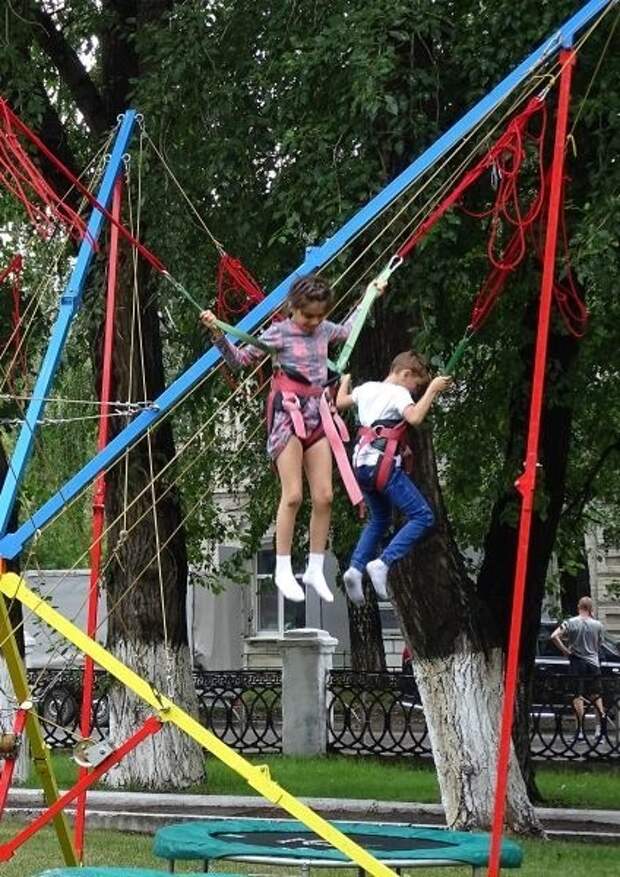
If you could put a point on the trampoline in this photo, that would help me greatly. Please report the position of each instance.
(286, 842)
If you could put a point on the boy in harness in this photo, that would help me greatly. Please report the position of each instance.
(385, 410)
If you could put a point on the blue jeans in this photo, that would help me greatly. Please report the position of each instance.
(402, 493)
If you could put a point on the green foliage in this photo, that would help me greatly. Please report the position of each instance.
(279, 122)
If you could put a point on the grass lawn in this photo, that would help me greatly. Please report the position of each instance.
(551, 858)
(576, 786)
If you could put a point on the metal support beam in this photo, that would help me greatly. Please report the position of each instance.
(11, 544)
(257, 776)
(69, 304)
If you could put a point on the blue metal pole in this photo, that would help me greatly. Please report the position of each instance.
(11, 544)
(69, 304)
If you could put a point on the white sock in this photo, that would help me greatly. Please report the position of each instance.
(314, 577)
(378, 572)
(286, 581)
(353, 586)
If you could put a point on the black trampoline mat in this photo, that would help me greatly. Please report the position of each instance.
(307, 839)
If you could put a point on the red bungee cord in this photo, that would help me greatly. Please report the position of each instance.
(237, 290)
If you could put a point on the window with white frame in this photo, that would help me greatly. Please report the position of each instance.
(274, 614)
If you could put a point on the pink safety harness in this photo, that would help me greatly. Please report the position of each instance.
(286, 392)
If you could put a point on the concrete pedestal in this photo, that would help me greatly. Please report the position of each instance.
(306, 661)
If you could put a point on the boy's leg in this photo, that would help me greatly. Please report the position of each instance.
(380, 518)
(407, 498)
(379, 509)
(317, 463)
(289, 466)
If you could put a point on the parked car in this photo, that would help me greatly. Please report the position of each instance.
(549, 661)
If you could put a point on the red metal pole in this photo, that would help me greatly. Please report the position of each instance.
(19, 724)
(150, 726)
(526, 483)
(98, 507)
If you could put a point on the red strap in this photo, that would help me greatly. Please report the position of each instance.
(16, 179)
(282, 383)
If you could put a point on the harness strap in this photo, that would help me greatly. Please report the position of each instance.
(291, 391)
(393, 437)
(337, 433)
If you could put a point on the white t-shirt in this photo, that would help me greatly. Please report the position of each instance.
(378, 400)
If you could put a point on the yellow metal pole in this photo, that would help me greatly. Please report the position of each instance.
(40, 752)
(11, 585)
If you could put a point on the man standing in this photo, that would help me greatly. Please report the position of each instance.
(583, 634)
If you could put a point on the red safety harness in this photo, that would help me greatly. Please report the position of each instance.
(286, 394)
(387, 437)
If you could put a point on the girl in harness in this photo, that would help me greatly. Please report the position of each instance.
(385, 410)
(296, 415)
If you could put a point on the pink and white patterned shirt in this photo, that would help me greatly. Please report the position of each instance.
(302, 353)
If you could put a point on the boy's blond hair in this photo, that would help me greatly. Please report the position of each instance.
(585, 603)
(411, 360)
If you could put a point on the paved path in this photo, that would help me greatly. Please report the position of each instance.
(146, 812)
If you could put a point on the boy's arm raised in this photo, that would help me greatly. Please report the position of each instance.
(344, 399)
(415, 414)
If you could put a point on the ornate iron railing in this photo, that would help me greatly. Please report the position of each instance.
(556, 732)
(381, 714)
(242, 708)
(375, 713)
(368, 713)
(57, 696)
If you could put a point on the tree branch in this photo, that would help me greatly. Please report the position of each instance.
(73, 72)
(576, 506)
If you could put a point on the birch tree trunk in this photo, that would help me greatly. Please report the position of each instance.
(146, 581)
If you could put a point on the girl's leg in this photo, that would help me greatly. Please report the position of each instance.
(317, 462)
(289, 465)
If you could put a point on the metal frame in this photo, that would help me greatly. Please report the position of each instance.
(12, 543)
(70, 302)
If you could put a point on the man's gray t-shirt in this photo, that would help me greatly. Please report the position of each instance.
(584, 638)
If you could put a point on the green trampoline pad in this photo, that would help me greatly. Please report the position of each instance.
(262, 839)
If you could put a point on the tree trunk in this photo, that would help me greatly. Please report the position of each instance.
(146, 580)
(461, 694)
(458, 675)
(367, 650)
(496, 576)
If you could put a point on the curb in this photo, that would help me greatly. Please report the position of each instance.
(145, 813)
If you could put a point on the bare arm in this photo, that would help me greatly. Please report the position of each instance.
(415, 414)
(556, 639)
(344, 399)
(237, 357)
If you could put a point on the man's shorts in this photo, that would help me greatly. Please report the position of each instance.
(589, 682)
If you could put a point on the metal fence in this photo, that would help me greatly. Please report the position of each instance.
(375, 713)
(368, 713)
(242, 708)
(381, 714)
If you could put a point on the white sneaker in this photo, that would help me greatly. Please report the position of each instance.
(378, 572)
(315, 579)
(353, 585)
